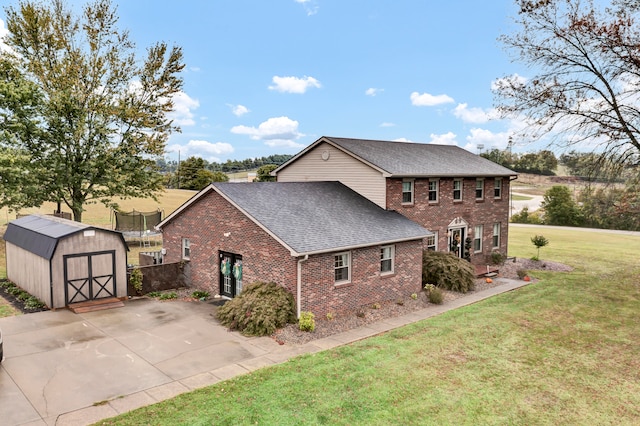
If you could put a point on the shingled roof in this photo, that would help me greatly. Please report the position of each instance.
(409, 159)
(314, 217)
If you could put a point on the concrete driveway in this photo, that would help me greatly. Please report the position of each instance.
(59, 362)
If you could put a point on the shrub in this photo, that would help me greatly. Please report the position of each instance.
(498, 258)
(33, 303)
(307, 321)
(522, 273)
(260, 309)
(154, 294)
(199, 294)
(168, 296)
(447, 271)
(330, 316)
(136, 280)
(436, 296)
(539, 241)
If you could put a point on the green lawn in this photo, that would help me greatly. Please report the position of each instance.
(561, 351)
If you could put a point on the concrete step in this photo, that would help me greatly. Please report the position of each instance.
(95, 305)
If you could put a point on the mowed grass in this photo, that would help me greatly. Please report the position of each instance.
(563, 350)
(99, 215)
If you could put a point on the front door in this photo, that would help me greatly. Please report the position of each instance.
(230, 274)
(456, 241)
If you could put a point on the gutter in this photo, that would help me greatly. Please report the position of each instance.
(299, 284)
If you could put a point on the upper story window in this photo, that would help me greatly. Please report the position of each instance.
(342, 267)
(457, 190)
(186, 248)
(497, 188)
(407, 192)
(387, 254)
(433, 190)
(479, 189)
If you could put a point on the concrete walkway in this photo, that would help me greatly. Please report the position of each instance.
(62, 368)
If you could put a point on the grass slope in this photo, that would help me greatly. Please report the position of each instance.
(560, 351)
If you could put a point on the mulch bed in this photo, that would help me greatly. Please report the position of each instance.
(17, 303)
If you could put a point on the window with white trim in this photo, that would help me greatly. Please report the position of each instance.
(457, 190)
(479, 189)
(407, 192)
(477, 238)
(186, 248)
(431, 242)
(342, 267)
(387, 255)
(433, 190)
(497, 188)
(496, 235)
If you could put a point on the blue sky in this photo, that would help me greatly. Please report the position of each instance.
(271, 77)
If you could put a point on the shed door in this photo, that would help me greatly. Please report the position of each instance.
(89, 276)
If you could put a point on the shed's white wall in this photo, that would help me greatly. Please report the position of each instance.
(339, 166)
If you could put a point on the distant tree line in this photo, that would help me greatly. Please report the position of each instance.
(540, 163)
(195, 173)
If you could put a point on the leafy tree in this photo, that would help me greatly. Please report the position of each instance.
(588, 62)
(539, 241)
(193, 174)
(559, 207)
(87, 114)
(263, 173)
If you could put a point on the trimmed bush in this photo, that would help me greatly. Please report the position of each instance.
(260, 309)
(436, 296)
(307, 321)
(447, 271)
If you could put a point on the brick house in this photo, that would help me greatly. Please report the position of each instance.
(331, 247)
(455, 194)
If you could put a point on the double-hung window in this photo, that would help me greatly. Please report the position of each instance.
(479, 189)
(407, 192)
(477, 238)
(342, 267)
(186, 248)
(497, 188)
(496, 235)
(433, 190)
(457, 190)
(432, 242)
(387, 254)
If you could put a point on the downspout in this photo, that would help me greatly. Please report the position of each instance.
(299, 284)
(51, 284)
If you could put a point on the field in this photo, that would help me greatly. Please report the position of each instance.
(99, 215)
(560, 351)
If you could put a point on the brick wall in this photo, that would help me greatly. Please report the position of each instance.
(213, 225)
(437, 216)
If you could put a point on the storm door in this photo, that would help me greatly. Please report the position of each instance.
(230, 274)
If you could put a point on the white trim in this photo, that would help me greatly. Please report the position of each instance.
(348, 266)
(392, 258)
(413, 191)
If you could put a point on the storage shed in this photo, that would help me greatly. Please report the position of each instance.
(61, 262)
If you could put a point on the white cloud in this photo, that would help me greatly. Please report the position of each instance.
(426, 99)
(183, 105)
(276, 131)
(294, 84)
(402, 140)
(372, 91)
(210, 151)
(473, 115)
(385, 124)
(239, 110)
(310, 6)
(3, 33)
(444, 139)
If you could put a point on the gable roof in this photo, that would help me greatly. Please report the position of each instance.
(409, 159)
(313, 217)
(40, 234)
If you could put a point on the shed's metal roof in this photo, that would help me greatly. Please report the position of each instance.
(39, 234)
(313, 217)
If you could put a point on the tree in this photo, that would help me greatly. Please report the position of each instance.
(95, 117)
(559, 207)
(193, 174)
(539, 241)
(264, 173)
(588, 63)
